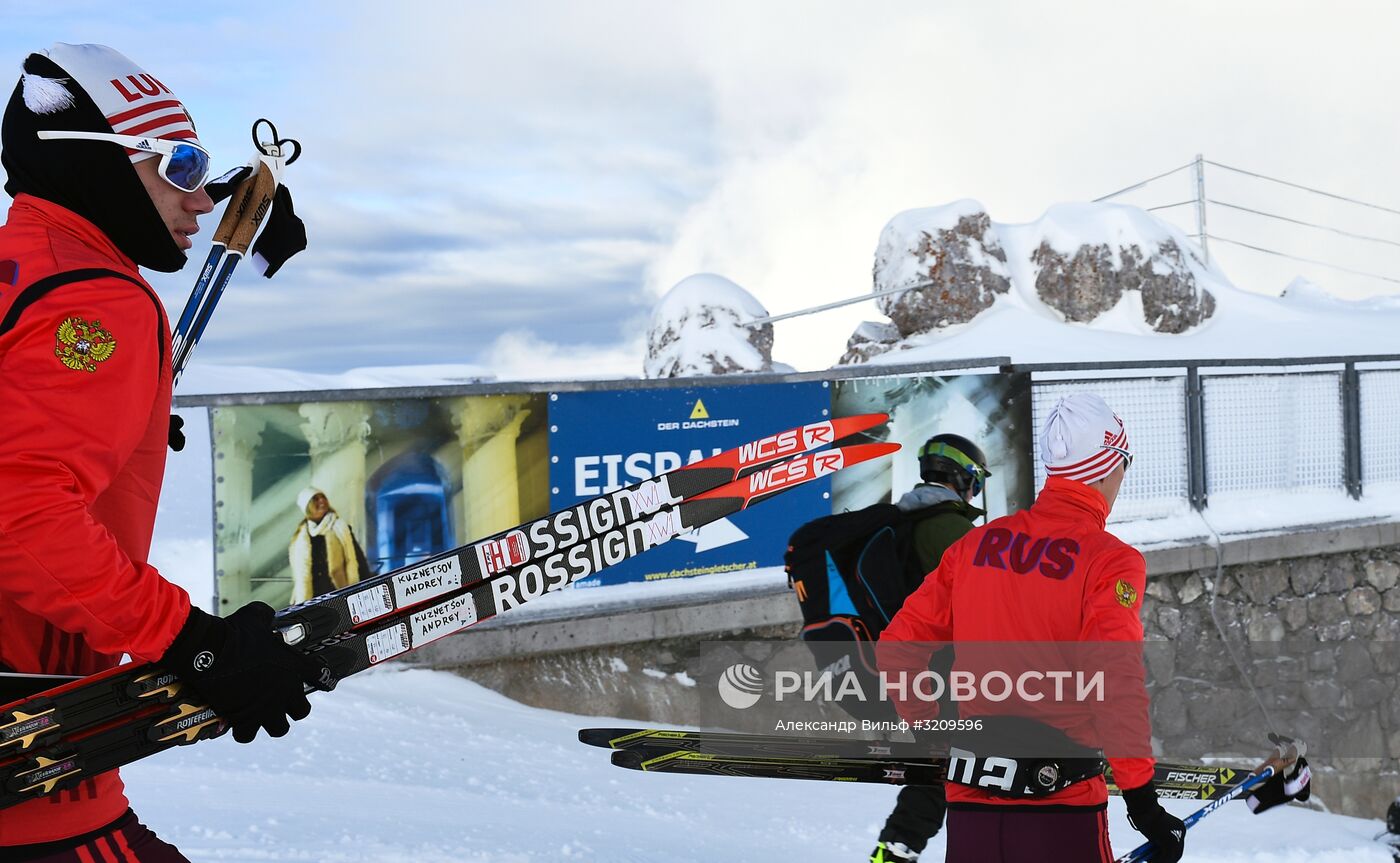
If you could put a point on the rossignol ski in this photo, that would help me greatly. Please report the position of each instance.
(102, 722)
(661, 750)
(87, 701)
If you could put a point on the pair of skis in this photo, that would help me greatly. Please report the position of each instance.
(659, 750)
(61, 736)
(711, 753)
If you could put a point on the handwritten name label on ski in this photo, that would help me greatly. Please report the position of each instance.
(443, 619)
(388, 643)
(428, 581)
(369, 604)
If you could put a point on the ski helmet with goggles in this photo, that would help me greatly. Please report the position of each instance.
(956, 461)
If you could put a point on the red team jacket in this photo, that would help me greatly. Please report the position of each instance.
(85, 386)
(1047, 574)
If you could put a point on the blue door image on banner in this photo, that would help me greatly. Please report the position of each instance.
(408, 497)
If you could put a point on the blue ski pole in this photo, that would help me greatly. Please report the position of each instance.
(1289, 751)
(247, 207)
(201, 285)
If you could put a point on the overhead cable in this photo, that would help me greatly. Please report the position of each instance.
(1303, 223)
(1144, 182)
(1305, 188)
(1304, 260)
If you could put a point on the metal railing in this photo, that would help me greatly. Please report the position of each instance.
(1208, 427)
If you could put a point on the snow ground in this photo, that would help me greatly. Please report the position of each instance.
(418, 766)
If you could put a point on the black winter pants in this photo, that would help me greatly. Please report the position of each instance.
(917, 816)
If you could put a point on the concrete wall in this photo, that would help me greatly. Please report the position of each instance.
(1333, 592)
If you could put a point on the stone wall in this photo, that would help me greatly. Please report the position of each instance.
(1314, 616)
(1320, 639)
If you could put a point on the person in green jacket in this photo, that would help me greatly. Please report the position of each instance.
(954, 471)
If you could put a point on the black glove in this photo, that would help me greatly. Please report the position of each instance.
(223, 185)
(1163, 829)
(244, 670)
(1282, 787)
(283, 234)
(176, 438)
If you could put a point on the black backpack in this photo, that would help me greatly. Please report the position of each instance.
(852, 572)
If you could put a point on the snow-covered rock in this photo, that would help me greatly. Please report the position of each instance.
(1090, 255)
(1113, 266)
(697, 328)
(954, 250)
(870, 339)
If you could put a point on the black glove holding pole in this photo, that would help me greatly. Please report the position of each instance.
(1164, 830)
(1282, 788)
(245, 671)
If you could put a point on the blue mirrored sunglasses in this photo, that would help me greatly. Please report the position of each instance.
(182, 164)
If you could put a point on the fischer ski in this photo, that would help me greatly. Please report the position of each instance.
(848, 760)
(120, 716)
(86, 702)
(878, 770)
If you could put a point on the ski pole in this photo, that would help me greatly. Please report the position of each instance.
(247, 207)
(1143, 851)
(1288, 752)
(206, 274)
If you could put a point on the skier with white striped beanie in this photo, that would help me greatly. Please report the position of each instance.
(1047, 574)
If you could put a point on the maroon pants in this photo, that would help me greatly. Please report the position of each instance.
(125, 840)
(1028, 834)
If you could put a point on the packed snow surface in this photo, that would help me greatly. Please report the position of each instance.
(420, 767)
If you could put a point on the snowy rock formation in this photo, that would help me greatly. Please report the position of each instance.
(1109, 255)
(1078, 263)
(697, 329)
(953, 250)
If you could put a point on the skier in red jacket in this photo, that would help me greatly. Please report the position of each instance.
(107, 174)
(1049, 574)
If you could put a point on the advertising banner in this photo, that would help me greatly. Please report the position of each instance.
(992, 411)
(314, 496)
(603, 441)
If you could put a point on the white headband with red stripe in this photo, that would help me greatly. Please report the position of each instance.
(134, 101)
(1083, 440)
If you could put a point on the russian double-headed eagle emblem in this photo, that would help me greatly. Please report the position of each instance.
(83, 344)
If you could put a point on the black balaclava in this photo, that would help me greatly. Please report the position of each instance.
(94, 179)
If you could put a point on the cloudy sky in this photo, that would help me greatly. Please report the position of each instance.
(514, 184)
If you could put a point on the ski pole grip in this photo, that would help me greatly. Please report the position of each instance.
(252, 208)
(236, 203)
(247, 207)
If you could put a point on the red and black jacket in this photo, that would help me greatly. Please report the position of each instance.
(85, 389)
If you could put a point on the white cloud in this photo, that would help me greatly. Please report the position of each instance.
(1021, 106)
(521, 355)
(471, 168)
